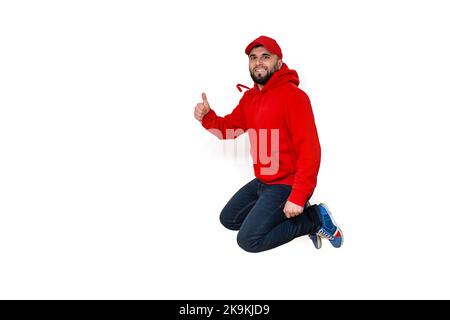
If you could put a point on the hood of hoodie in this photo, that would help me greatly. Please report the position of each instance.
(280, 77)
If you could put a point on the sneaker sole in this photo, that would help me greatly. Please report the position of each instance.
(319, 242)
(334, 222)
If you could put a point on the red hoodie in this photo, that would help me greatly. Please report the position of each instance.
(283, 136)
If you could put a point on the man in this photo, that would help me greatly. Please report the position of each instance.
(270, 210)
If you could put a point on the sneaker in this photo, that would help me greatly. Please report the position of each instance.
(316, 240)
(329, 229)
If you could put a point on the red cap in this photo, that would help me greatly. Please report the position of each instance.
(268, 43)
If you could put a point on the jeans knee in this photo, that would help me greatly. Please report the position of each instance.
(227, 223)
(248, 244)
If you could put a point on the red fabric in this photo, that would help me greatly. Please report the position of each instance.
(279, 105)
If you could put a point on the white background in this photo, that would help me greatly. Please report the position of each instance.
(110, 189)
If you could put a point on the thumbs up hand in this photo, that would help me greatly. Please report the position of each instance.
(202, 108)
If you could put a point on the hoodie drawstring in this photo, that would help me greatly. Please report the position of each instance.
(238, 86)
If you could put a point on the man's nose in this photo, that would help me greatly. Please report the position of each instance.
(259, 61)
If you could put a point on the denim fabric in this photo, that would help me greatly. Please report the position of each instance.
(256, 210)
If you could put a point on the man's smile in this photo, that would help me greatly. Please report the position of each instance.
(259, 70)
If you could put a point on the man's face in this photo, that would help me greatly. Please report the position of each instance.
(263, 64)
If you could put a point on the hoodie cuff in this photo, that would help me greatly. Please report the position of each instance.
(298, 197)
(207, 119)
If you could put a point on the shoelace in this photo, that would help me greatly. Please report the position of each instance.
(325, 234)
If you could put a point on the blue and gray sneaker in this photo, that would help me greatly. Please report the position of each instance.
(329, 229)
(316, 240)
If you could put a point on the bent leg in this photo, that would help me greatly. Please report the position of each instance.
(238, 207)
(266, 226)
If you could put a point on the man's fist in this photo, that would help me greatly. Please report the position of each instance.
(202, 108)
(292, 210)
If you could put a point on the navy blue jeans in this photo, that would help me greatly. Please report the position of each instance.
(256, 210)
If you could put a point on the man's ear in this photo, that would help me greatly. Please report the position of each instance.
(280, 63)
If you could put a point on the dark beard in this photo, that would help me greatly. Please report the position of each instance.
(264, 79)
